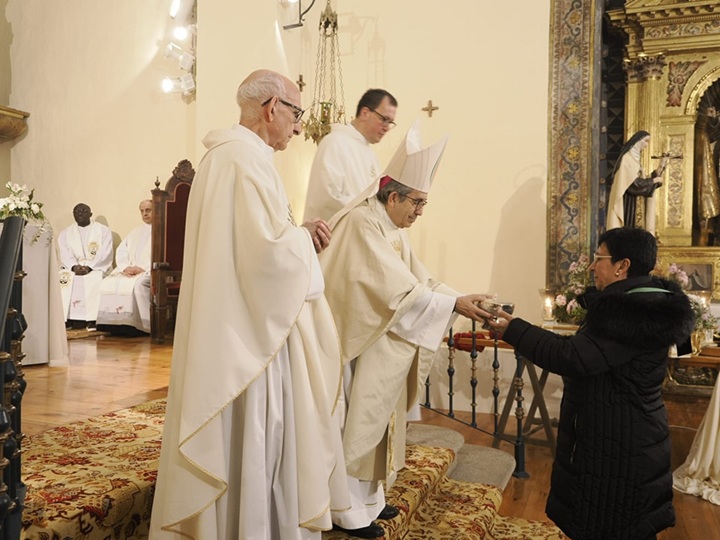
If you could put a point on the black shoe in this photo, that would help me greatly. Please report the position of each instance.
(371, 531)
(388, 512)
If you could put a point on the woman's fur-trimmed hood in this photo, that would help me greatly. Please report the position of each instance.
(647, 320)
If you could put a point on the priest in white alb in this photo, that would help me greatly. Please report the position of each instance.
(86, 256)
(125, 294)
(345, 164)
(249, 447)
(391, 317)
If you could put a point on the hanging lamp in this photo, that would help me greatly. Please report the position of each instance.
(327, 108)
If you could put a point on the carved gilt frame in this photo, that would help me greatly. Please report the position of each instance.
(689, 258)
(672, 57)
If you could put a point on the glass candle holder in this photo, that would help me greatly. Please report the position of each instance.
(548, 301)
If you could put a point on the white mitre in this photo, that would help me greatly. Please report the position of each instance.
(411, 165)
(415, 166)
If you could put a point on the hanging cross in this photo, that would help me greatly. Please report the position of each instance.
(429, 109)
(301, 84)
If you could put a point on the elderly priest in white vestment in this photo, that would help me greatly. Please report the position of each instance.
(125, 294)
(249, 446)
(391, 317)
(86, 256)
(344, 164)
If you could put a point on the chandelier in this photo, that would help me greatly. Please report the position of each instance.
(326, 107)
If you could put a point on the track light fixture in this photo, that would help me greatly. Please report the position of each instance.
(184, 84)
(185, 59)
(183, 30)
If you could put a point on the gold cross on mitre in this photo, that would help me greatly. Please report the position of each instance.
(429, 109)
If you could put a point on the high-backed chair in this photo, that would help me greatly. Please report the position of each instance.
(168, 239)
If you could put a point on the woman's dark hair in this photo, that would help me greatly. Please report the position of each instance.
(636, 245)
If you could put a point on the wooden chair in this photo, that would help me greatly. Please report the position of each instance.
(168, 239)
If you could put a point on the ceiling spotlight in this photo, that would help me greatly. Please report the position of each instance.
(174, 8)
(180, 10)
(185, 59)
(184, 84)
(181, 33)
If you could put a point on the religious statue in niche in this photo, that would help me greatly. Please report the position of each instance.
(630, 185)
(706, 207)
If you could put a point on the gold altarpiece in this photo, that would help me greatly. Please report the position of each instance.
(671, 59)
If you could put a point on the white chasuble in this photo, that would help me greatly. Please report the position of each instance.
(87, 246)
(344, 166)
(126, 299)
(391, 317)
(249, 445)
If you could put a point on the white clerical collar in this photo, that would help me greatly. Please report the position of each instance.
(351, 131)
(381, 211)
(251, 136)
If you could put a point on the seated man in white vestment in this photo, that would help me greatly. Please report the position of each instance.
(344, 164)
(125, 294)
(249, 446)
(86, 256)
(391, 316)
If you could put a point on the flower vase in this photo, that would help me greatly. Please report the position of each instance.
(697, 338)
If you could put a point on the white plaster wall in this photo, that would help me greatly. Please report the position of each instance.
(5, 75)
(484, 229)
(100, 129)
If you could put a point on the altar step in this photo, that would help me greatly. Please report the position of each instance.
(450, 490)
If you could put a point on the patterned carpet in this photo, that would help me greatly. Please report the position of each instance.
(95, 479)
(443, 509)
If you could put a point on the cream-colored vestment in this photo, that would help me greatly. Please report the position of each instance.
(391, 317)
(125, 300)
(344, 166)
(249, 445)
(87, 246)
(700, 474)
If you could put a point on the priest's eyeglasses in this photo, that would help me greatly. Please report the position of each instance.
(298, 111)
(385, 120)
(419, 203)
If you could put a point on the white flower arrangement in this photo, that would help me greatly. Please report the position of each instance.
(565, 307)
(704, 319)
(21, 203)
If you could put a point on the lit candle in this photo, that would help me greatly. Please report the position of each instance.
(548, 302)
(548, 309)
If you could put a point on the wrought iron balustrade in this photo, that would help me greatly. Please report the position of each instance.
(525, 422)
(12, 489)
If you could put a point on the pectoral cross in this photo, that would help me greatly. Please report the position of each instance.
(301, 84)
(429, 109)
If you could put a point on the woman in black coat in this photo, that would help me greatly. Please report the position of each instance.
(611, 477)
